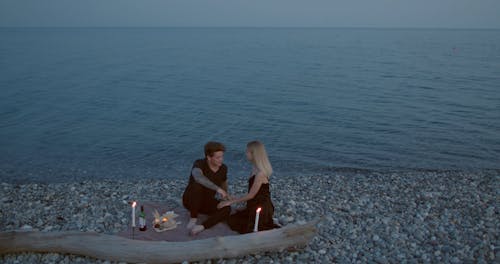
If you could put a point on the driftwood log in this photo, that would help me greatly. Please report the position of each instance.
(110, 247)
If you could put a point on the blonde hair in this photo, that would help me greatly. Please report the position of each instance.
(259, 157)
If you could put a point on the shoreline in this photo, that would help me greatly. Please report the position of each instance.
(85, 175)
(417, 217)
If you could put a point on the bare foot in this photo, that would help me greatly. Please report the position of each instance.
(197, 229)
(192, 223)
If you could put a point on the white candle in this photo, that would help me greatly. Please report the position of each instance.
(256, 225)
(133, 213)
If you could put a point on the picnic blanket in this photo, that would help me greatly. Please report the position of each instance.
(181, 233)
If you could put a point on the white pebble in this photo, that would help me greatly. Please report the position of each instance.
(26, 228)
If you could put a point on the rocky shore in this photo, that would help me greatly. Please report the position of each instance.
(411, 217)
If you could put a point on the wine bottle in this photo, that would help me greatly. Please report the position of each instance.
(142, 220)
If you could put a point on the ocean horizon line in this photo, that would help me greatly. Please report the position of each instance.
(256, 27)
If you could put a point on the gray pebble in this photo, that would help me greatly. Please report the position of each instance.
(383, 217)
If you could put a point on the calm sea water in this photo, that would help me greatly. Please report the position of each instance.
(85, 103)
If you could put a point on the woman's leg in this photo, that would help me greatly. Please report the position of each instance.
(238, 221)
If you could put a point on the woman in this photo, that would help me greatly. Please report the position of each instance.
(258, 194)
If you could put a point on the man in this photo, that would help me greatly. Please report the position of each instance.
(208, 178)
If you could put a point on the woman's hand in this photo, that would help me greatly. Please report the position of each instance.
(223, 204)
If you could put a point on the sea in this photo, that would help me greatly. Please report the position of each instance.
(133, 104)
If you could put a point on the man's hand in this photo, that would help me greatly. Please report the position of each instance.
(222, 193)
(223, 204)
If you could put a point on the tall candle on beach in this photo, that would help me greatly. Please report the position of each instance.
(256, 225)
(133, 213)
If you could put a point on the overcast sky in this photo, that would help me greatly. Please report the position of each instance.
(253, 13)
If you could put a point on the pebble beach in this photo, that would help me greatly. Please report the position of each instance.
(404, 217)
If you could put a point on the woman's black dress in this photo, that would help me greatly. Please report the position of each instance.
(243, 221)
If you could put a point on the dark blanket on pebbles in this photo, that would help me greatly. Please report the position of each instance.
(180, 233)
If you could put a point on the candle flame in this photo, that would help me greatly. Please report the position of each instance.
(258, 210)
(133, 204)
(165, 219)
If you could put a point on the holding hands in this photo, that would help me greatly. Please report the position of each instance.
(224, 204)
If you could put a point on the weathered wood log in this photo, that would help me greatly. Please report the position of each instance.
(110, 247)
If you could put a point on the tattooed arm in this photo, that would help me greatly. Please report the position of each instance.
(203, 180)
